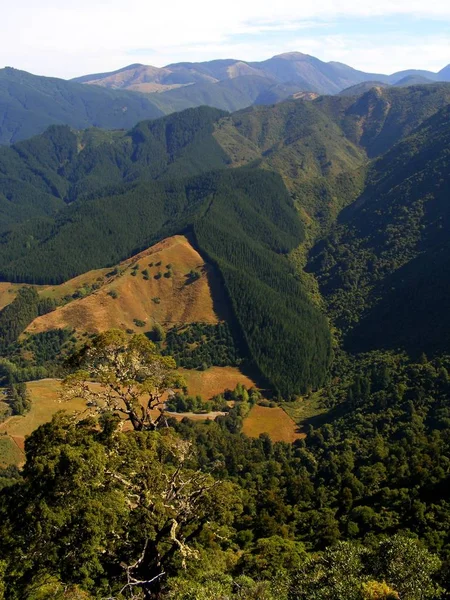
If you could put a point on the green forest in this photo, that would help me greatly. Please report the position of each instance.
(358, 508)
(326, 223)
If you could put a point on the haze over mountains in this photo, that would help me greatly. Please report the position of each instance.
(29, 104)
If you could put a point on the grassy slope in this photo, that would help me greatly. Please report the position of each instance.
(10, 451)
(180, 301)
(273, 421)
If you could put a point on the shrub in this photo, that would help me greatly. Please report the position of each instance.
(157, 333)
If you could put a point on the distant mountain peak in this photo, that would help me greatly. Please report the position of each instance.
(292, 56)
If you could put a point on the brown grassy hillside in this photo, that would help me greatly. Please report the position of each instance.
(147, 297)
(273, 421)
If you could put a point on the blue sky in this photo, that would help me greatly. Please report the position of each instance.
(63, 39)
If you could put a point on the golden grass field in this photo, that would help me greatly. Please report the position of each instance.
(214, 381)
(10, 453)
(179, 302)
(45, 403)
(273, 421)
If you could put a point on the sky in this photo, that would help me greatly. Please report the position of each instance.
(68, 39)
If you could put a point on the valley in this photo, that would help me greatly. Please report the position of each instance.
(278, 277)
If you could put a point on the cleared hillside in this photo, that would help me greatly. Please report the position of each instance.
(136, 291)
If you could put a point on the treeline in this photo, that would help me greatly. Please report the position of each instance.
(15, 317)
(14, 400)
(36, 356)
(17, 398)
(240, 398)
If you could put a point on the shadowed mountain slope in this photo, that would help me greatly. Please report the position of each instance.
(385, 269)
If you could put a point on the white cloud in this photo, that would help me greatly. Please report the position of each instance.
(380, 54)
(67, 39)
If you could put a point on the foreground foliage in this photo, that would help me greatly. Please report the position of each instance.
(358, 510)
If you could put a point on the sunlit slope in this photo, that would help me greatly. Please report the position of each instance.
(141, 290)
(319, 166)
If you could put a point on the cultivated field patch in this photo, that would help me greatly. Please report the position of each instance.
(273, 421)
(214, 381)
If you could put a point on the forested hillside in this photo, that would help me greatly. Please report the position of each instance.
(321, 168)
(387, 259)
(381, 117)
(97, 197)
(359, 510)
(29, 104)
(245, 222)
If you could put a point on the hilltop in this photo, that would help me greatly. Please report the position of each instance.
(119, 99)
(154, 286)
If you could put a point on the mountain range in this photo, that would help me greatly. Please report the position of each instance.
(29, 104)
(305, 72)
(255, 191)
